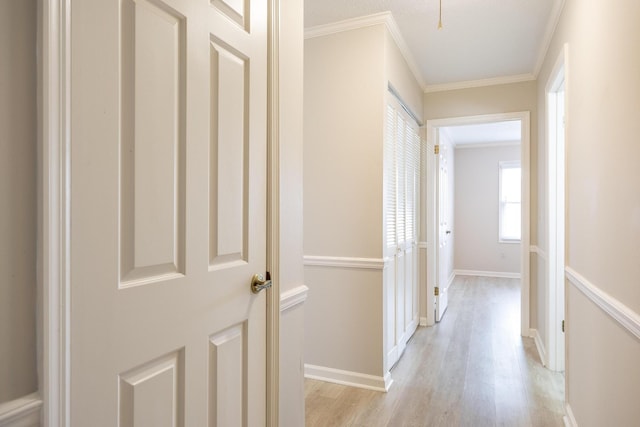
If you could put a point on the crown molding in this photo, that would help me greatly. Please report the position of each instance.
(347, 25)
(518, 78)
(383, 18)
(552, 25)
(394, 30)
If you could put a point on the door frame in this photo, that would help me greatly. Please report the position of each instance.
(54, 214)
(428, 181)
(556, 236)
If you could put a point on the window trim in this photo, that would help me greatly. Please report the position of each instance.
(510, 164)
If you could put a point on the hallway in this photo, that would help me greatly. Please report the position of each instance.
(472, 369)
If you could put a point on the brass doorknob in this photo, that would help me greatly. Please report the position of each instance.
(258, 283)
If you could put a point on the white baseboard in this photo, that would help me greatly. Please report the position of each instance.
(499, 274)
(542, 352)
(348, 378)
(423, 321)
(293, 297)
(392, 357)
(451, 279)
(569, 419)
(23, 412)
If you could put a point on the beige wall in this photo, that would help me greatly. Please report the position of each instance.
(346, 79)
(343, 128)
(497, 99)
(291, 265)
(344, 320)
(18, 155)
(291, 136)
(603, 202)
(476, 199)
(400, 77)
(343, 110)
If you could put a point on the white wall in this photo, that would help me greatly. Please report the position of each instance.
(291, 253)
(602, 202)
(477, 245)
(18, 155)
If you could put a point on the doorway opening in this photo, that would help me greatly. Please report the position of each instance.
(441, 133)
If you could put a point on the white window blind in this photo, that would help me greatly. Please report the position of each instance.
(401, 181)
(401, 177)
(390, 178)
(412, 161)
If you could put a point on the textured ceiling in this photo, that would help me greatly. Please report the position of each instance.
(481, 39)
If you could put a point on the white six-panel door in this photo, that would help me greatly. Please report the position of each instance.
(168, 212)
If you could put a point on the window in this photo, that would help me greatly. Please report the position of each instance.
(510, 219)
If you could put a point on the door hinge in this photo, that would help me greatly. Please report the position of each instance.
(563, 326)
(436, 149)
(436, 291)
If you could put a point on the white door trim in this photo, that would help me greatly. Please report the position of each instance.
(54, 196)
(429, 183)
(273, 215)
(555, 230)
(54, 285)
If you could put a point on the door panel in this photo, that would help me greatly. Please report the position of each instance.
(402, 157)
(229, 164)
(444, 232)
(168, 207)
(227, 400)
(153, 394)
(153, 141)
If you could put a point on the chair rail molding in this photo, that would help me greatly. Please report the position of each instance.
(293, 297)
(622, 314)
(346, 262)
(538, 251)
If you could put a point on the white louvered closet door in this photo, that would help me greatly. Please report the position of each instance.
(402, 161)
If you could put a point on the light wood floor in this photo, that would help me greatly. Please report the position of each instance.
(472, 369)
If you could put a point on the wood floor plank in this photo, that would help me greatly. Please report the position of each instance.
(471, 369)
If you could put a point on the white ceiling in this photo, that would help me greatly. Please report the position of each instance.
(486, 133)
(480, 39)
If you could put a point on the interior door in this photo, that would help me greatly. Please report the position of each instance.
(168, 212)
(444, 232)
(401, 188)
